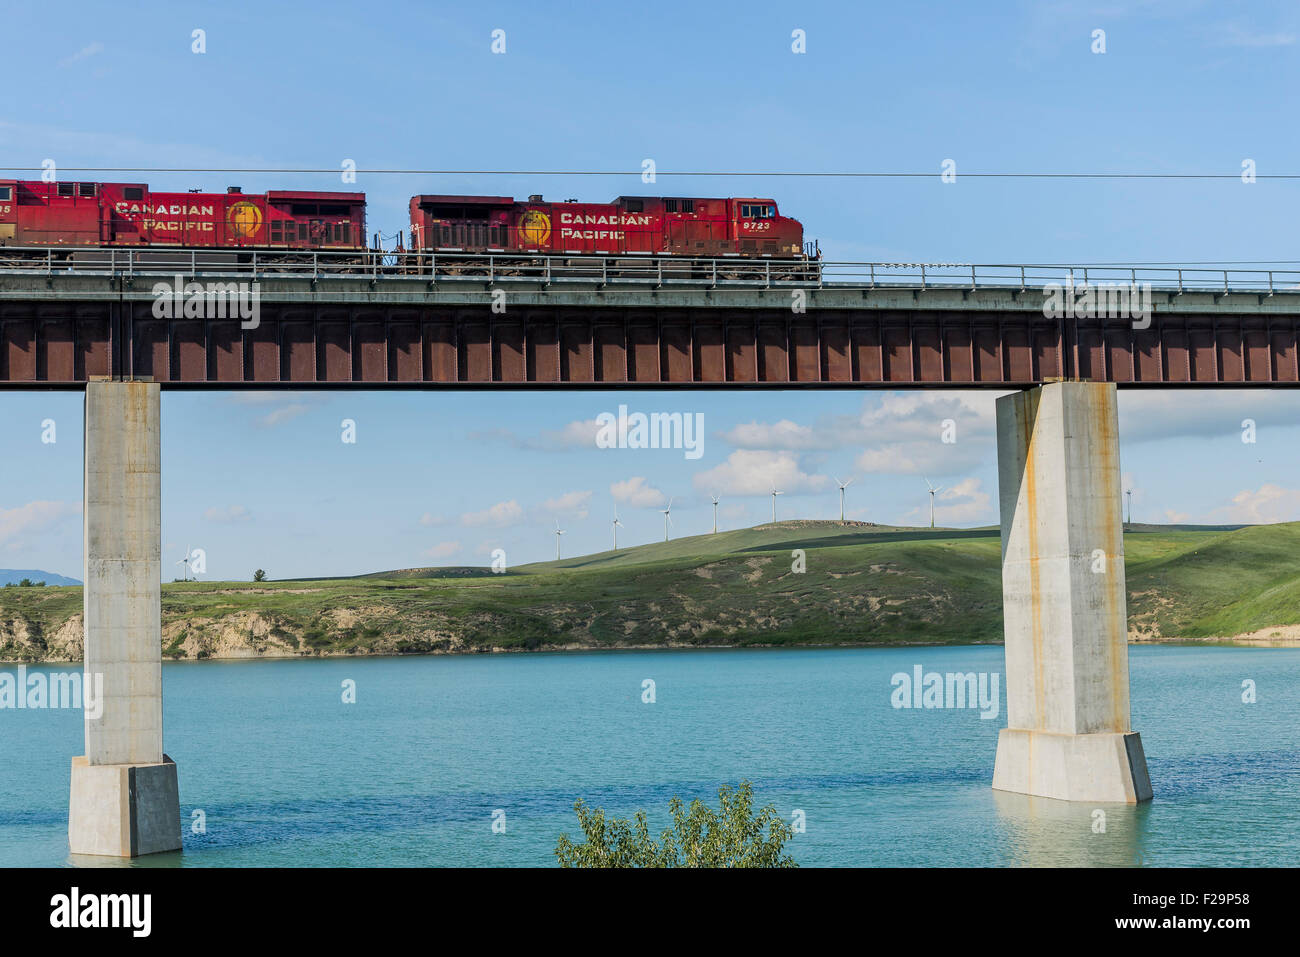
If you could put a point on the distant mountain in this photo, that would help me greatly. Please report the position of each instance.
(15, 575)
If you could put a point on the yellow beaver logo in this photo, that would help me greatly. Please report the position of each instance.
(244, 219)
(534, 228)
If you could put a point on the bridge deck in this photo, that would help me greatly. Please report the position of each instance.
(62, 324)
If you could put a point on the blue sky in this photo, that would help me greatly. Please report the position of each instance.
(264, 480)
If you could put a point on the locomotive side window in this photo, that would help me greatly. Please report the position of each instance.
(133, 192)
(635, 206)
(86, 189)
(65, 189)
(6, 194)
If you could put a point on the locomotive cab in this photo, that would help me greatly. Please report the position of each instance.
(8, 211)
(761, 230)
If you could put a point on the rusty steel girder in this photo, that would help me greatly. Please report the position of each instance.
(61, 343)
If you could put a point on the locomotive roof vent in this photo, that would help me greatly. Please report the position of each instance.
(535, 198)
(234, 189)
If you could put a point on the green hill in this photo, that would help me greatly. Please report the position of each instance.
(862, 584)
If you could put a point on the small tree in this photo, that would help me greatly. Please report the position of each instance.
(732, 837)
(259, 576)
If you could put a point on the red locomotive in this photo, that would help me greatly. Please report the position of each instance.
(35, 213)
(702, 228)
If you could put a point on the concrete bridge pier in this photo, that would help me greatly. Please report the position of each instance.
(1068, 734)
(125, 801)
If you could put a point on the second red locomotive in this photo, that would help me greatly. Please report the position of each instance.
(702, 228)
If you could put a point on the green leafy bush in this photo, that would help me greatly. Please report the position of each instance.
(732, 837)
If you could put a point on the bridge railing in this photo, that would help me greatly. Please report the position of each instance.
(644, 269)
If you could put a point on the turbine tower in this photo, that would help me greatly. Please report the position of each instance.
(1129, 493)
(617, 526)
(715, 513)
(775, 493)
(558, 532)
(932, 491)
(843, 486)
(668, 512)
(185, 572)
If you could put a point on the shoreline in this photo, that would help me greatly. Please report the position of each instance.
(1286, 636)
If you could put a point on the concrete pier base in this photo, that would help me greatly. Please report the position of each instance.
(124, 795)
(1068, 735)
(1104, 768)
(124, 810)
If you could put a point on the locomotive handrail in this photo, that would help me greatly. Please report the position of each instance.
(658, 271)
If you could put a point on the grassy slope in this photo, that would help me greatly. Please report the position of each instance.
(863, 584)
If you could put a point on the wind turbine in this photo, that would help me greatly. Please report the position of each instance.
(932, 491)
(185, 572)
(667, 518)
(558, 532)
(715, 513)
(843, 486)
(617, 526)
(775, 493)
(1129, 493)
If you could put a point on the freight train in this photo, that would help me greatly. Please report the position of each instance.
(82, 216)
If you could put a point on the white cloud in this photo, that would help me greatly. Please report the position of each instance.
(286, 413)
(442, 550)
(897, 432)
(289, 405)
(1234, 35)
(34, 517)
(637, 492)
(429, 520)
(499, 515)
(1151, 415)
(777, 435)
(579, 434)
(750, 472)
(85, 53)
(1269, 503)
(575, 504)
(230, 515)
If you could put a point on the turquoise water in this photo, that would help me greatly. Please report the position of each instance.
(285, 773)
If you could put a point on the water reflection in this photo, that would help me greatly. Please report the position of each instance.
(1042, 832)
